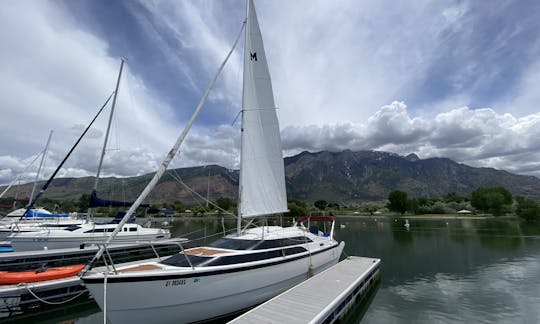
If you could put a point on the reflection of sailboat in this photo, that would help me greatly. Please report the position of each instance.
(239, 270)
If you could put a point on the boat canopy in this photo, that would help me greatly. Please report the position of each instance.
(95, 201)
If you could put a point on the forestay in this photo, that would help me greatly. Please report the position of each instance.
(262, 176)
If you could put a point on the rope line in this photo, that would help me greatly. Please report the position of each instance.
(25, 285)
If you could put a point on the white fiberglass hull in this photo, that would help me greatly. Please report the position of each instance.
(43, 241)
(26, 226)
(185, 296)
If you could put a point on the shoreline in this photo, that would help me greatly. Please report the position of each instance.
(430, 216)
(427, 216)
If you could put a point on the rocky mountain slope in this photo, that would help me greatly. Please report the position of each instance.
(334, 176)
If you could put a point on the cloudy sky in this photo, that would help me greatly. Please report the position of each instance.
(457, 79)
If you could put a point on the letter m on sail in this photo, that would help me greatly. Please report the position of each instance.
(253, 56)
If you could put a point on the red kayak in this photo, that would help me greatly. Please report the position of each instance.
(14, 277)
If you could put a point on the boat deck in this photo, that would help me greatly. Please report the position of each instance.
(324, 298)
(28, 260)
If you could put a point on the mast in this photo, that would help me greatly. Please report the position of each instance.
(40, 166)
(240, 187)
(46, 185)
(107, 132)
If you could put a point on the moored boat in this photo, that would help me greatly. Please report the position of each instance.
(84, 234)
(230, 275)
(17, 277)
(240, 270)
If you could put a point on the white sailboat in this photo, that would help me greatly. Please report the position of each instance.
(34, 219)
(240, 270)
(50, 236)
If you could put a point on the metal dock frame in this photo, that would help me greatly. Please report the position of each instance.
(324, 298)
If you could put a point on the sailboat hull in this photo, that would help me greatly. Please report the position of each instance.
(86, 234)
(199, 296)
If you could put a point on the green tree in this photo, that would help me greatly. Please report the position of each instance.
(398, 201)
(333, 205)
(527, 208)
(298, 202)
(370, 208)
(83, 203)
(494, 200)
(297, 208)
(321, 204)
(413, 205)
(225, 203)
(452, 196)
(178, 206)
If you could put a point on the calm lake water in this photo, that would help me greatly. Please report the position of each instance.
(438, 271)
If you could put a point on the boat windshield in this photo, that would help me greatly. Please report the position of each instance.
(239, 244)
(180, 260)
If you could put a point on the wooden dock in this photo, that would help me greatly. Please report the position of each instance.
(324, 298)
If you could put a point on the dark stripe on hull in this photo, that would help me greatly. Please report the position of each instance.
(200, 274)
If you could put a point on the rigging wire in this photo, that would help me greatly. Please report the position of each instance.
(165, 163)
(46, 185)
(177, 177)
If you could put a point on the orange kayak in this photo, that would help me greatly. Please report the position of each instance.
(14, 277)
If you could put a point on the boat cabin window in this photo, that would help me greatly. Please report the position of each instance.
(72, 228)
(232, 244)
(294, 250)
(236, 244)
(133, 229)
(179, 260)
(100, 230)
(233, 259)
(269, 244)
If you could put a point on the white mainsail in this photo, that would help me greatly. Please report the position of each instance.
(262, 175)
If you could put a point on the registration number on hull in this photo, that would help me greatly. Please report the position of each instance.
(176, 282)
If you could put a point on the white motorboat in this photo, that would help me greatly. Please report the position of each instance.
(240, 270)
(83, 234)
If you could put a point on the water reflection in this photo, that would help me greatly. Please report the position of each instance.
(454, 271)
(493, 293)
(401, 234)
(450, 271)
(500, 235)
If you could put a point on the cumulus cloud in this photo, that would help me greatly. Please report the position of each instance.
(56, 76)
(92, 132)
(480, 137)
(335, 66)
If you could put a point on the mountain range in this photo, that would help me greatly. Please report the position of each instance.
(344, 177)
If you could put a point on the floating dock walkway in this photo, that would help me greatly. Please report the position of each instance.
(324, 298)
